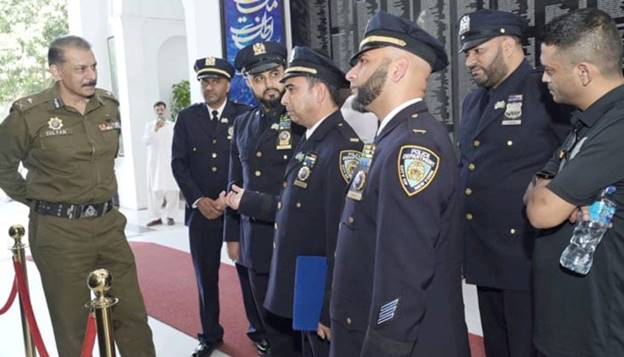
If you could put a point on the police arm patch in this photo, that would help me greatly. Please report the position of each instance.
(417, 168)
(348, 162)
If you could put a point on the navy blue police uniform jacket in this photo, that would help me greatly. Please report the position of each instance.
(398, 257)
(308, 210)
(200, 152)
(502, 146)
(257, 166)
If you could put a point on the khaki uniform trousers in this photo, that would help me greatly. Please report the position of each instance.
(65, 252)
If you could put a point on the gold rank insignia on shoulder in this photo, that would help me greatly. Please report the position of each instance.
(348, 162)
(305, 171)
(284, 137)
(417, 168)
(360, 178)
(259, 49)
(513, 110)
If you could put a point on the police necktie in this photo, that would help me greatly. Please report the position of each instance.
(215, 116)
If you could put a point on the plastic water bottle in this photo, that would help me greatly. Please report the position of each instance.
(579, 254)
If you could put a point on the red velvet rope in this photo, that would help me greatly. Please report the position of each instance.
(30, 316)
(89, 339)
(11, 298)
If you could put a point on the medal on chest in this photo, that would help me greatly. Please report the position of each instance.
(284, 137)
(360, 178)
(309, 160)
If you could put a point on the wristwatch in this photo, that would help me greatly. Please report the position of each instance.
(545, 175)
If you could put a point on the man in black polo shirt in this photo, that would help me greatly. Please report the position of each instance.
(581, 315)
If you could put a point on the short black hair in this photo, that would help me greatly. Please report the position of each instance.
(160, 102)
(334, 92)
(57, 47)
(586, 35)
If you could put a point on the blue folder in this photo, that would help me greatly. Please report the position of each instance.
(310, 278)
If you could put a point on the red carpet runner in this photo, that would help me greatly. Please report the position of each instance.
(167, 280)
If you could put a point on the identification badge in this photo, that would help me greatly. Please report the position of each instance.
(230, 132)
(305, 171)
(284, 137)
(356, 189)
(513, 110)
(55, 126)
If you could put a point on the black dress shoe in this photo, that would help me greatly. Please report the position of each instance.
(205, 349)
(154, 222)
(263, 348)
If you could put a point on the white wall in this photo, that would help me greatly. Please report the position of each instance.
(140, 28)
(173, 65)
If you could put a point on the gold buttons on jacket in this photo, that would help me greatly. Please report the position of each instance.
(350, 220)
(298, 204)
(275, 226)
(509, 142)
(258, 173)
(512, 231)
(214, 169)
(471, 166)
(469, 216)
(285, 157)
(279, 205)
(259, 154)
(214, 155)
(468, 191)
(476, 143)
(285, 184)
(348, 321)
(194, 149)
(214, 141)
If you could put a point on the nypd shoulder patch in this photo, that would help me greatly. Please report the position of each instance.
(348, 162)
(417, 168)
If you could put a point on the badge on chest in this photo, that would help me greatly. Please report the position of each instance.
(305, 171)
(360, 178)
(284, 136)
(513, 110)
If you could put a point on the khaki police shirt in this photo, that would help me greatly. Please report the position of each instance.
(69, 156)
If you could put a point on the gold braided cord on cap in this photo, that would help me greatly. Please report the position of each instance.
(301, 69)
(214, 70)
(386, 39)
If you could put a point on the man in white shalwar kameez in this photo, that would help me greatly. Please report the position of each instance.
(163, 190)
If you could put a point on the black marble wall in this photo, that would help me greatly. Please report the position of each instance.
(337, 26)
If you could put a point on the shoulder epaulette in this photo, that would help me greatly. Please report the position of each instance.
(31, 101)
(104, 94)
(347, 132)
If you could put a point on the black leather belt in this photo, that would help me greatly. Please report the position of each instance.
(73, 211)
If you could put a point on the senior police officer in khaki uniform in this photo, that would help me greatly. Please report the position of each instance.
(67, 137)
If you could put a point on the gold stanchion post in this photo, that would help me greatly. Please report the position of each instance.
(17, 232)
(99, 281)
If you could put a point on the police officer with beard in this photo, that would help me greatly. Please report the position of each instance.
(397, 288)
(263, 143)
(508, 130)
